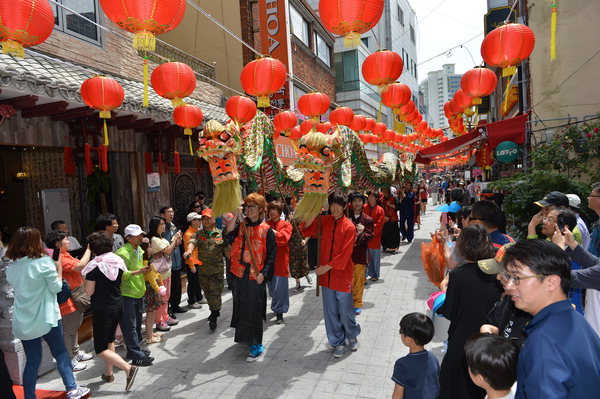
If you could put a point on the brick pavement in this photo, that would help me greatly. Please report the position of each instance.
(298, 362)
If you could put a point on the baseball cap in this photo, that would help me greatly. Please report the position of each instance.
(496, 264)
(574, 201)
(555, 198)
(207, 212)
(192, 216)
(486, 192)
(133, 230)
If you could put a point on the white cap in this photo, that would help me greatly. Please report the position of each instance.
(192, 216)
(574, 201)
(133, 230)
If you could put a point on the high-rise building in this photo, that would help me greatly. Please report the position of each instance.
(395, 31)
(437, 89)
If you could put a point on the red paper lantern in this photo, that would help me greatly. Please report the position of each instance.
(104, 94)
(241, 109)
(295, 133)
(308, 126)
(173, 81)
(324, 127)
(379, 129)
(388, 135)
(408, 108)
(188, 117)
(350, 18)
(395, 96)
(314, 104)
(358, 123)
(382, 68)
(506, 46)
(421, 126)
(369, 124)
(145, 18)
(462, 100)
(263, 77)
(478, 82)
(285, 121)
(342, 116)
(24, 23)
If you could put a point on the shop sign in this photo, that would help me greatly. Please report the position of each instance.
(153, 182)
(285, 150)
(507, 152)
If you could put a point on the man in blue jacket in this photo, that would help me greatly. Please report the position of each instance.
(561, 357)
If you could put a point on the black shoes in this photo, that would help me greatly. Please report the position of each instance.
(212, 324)
(212, 319)
(178, 310)
(279, 319)
(143, 362)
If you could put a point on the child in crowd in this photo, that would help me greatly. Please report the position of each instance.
(492, 362)
(416, 374)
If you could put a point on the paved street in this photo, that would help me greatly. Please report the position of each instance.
(298, 362)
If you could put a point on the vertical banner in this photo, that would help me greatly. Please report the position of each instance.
(274, 42)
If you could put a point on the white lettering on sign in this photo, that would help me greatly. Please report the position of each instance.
(285, 151)
(272, 24)
(507, 152)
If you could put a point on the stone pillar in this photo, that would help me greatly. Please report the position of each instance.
(11, 346)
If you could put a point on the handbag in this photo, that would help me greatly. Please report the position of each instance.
(81, 299)
(161, 265)
(64, 294)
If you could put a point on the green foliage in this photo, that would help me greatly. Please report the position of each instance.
(522, 190)
(575, 151)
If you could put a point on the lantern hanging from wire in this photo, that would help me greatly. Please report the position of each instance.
(342, 116)
(478, 82)
(173, 81)
(240, 109)
(262, 77)
(314, 104)
(145, 18)
(104, 94)
(506, 46)
(358, 123)
(284, 122)
(188, 117)
(350, 18)
(382, 68)
(24, 23)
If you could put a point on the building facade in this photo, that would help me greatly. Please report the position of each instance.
(437, 89)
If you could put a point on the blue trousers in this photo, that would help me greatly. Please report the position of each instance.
(131, 326)
(338, 312)
(33, 350)
(407, 224)
(373, 262)
(279, 293)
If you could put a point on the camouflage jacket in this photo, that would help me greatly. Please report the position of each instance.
(211, 249)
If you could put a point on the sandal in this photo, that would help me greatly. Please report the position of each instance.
(131, 377)
(108, 378)
(154, 340)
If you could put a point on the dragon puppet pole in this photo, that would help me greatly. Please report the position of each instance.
(318, 253)
(253, 266)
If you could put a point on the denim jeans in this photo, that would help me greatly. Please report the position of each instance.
(338, 312)
(280, 296)
(131, 326)
(33, 350)
(374, 262)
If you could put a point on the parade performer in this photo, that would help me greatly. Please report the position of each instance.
(278, 286)
(219, 146)
(376, 212)
(210, 247)
(251, 267)
(335, 274)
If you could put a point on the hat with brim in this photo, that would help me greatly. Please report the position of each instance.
(555, 198)
(207, 213)
(133, 230)
(574, 201)
(452, 207)
(193, 216)
(496, 264)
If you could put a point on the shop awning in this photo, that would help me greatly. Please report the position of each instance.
(512, 129)
(430, 154)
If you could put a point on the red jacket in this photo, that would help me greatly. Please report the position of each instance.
(262, 241)
(389, 208)
(282, 237)
(337, 243)
(378, 217)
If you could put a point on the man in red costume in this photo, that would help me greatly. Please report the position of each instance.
(278, 286)
(335, 273)
(250, 270)
(374, 247)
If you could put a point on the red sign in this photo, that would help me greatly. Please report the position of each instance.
(274, 42)
(285, 150)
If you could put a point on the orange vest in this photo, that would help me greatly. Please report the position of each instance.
(258, 239)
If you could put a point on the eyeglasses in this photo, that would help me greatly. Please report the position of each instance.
(593, 196)
(251, 206)
(516, 280)
(197, 206)
(473, 218)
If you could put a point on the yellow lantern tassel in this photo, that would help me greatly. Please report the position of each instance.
(316, 119)
(145, 103)
(105, 134)
(263, 102)
(509, 71)
(380, 109)
(553, 32)
(144, 41)
(506, 93)
(13, 48)
(188, 132)
(176, 102)
(477, 101)
(352, 39)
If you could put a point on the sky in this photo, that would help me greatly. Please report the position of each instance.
(443, 24)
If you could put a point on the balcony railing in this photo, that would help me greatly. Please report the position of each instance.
(172, 54)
